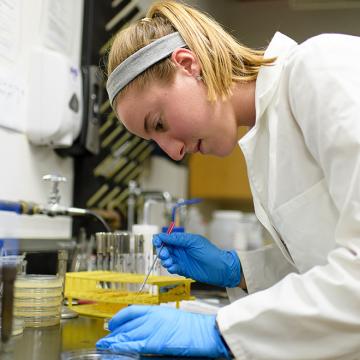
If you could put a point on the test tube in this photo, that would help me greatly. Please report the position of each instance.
(110, 246)
(101, 238)
(137, 259)
(139, 256)
(125, 250)
(122, 251)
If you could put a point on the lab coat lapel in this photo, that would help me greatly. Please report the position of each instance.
(258, 159)
(268, 77)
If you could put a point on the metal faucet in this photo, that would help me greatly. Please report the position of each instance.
(150, 197)
(155, 197)
(53, 207)
(146, 212)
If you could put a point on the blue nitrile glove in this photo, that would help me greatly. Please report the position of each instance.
(195, 257)
(162, 330)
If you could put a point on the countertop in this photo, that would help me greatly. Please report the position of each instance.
(47, 343)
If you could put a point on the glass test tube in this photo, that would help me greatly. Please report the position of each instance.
(138, 259)
(101, 239)
(122, 253)
(110, 249)
(139, 255)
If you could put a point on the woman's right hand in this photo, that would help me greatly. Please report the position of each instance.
(195, 257)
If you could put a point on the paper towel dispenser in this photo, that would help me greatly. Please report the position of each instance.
(54, 99)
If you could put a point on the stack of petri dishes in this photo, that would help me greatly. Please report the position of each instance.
(38, 299)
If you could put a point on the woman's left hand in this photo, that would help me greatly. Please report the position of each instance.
(163, 331)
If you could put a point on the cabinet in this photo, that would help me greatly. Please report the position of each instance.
(217, 178)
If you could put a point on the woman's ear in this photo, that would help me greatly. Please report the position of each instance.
(186, 60)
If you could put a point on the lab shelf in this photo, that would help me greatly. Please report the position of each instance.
(106, 292)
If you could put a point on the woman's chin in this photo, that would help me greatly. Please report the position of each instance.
(222, 152)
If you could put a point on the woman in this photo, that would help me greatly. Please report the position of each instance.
(178, 78)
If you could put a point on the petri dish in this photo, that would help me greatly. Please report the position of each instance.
(38, 286)
(32, 321)
(39, 281)
(97, 355)
(37, 311)
(36, 293)
(37, 301)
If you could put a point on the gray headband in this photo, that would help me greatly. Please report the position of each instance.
(141, 60)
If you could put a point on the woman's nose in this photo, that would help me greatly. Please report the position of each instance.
(174, 148)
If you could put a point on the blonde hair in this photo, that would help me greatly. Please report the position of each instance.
(223, 60)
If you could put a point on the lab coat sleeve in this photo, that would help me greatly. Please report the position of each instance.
(315, 315)
(261, 269)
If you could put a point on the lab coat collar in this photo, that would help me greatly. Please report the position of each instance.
(268, 76)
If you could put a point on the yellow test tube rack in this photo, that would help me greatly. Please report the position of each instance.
(106, 292)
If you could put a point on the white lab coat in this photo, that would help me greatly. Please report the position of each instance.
(303, 161)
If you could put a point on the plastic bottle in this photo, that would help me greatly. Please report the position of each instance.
(222, 228)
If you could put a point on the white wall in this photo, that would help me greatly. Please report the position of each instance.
(22, 164)
(255, 22)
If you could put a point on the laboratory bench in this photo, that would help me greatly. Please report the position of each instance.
(48, 343)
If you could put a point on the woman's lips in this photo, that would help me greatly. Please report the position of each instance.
(199, 146)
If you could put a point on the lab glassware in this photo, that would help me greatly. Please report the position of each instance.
(170, 229)
(122, 251)
(139, 255)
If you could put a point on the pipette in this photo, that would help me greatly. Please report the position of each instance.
(169, 231)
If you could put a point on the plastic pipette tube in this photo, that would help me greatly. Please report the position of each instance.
(169, 231)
